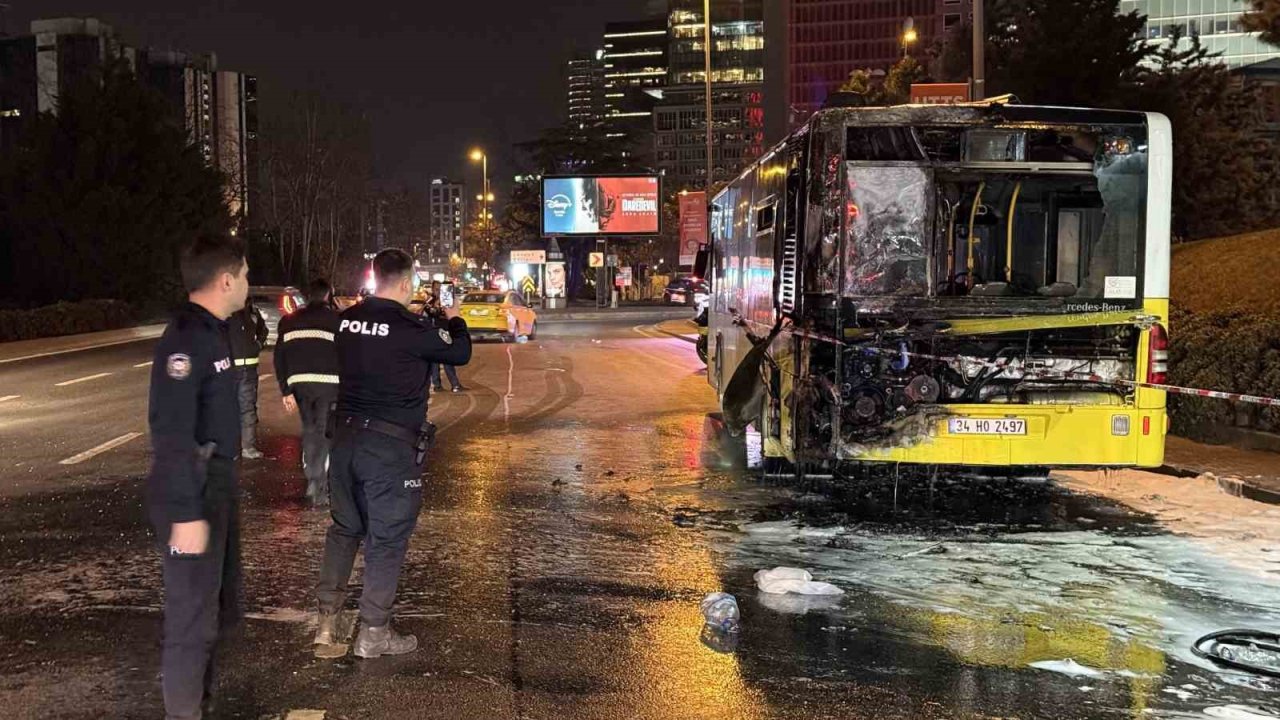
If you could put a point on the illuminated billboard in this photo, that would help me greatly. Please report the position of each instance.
(601, 205)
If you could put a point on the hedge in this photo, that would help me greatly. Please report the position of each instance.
(65, 318)
(1234, 351)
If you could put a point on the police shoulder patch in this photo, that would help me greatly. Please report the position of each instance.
(178, 366)
(446, 337)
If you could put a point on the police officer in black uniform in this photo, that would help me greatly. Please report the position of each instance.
(306, 361)
(248, 331)
(191, 490)
(380, 440)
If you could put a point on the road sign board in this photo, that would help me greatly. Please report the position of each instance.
(595, 260)
(624, 277)
(529, 257)
(528, 286)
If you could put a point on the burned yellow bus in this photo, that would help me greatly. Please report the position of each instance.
(970, 285)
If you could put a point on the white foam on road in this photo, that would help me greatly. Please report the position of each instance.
(104, 447)
(86, 378)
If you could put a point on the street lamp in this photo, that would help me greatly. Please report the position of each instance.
(909, 35)
(486, 197)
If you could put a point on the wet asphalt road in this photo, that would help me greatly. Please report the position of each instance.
(577, 509)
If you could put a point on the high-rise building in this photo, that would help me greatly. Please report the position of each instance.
(1217, 22)
(188, 84)
(18, 89)
(814, 45)
(635, 71)
(448, 219)
(69, 50)
(218, 110)
(737, 76)
(585, 91)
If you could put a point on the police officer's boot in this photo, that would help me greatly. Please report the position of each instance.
(374, 642)
(334, 628)
(248, 442)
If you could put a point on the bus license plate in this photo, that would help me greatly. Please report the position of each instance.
(987, 426)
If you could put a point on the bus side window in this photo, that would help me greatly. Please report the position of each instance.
(765, 217)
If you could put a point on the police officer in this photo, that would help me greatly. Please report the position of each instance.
(306, 362)
(191, 490)
(248, 337)
(380, 439)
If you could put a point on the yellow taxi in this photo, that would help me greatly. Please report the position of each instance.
(505, 314)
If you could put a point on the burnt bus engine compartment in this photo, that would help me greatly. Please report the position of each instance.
(890, 385)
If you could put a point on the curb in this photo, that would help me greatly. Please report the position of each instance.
(1230, 485)
(598, 316)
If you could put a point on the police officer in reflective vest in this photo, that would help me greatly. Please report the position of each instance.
(380, 442)
(192, 488)
(306, 362)
(248, 337)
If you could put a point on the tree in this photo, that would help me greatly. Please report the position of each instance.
(862, 83)
(1052, 52)
(897, 83)
(1264, 18)
(99, 198)
(1225, 166)
(316, 184)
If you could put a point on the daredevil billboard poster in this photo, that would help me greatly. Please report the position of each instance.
(628, 205)
(601, 206)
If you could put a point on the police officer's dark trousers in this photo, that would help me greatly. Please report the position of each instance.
(201, 597)
(375, 490)
(313, 401)
(248, 392)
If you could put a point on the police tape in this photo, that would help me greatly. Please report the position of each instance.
(1059, 374)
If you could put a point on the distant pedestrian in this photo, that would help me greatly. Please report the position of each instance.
(192, 489)
(435, 312)
(248, 337)
(306, 363)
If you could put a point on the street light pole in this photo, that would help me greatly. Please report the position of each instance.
(979, 50)
(482, 157)
(706, 42)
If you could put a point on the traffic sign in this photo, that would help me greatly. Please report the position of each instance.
(528, 285)
(595, 260)
(529, 257)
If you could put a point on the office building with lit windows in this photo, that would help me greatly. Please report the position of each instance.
(1217, 22)
(584, 81)
(635, 72)
(813, 46)
(448, 200)
(737, 76)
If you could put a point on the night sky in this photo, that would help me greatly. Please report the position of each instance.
(436, 77)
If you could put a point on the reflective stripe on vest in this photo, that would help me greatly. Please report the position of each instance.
(308, 335)
(312, 378)
(241, 362)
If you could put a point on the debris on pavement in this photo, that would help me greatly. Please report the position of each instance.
(782, 580)
(720, 610)
(1067, 667)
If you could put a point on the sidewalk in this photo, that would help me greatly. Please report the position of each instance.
(44, 347)
(638, 313)
(1256, 472)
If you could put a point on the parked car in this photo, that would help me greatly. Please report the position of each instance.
(275, 302)
(495, 312)
(686, 291)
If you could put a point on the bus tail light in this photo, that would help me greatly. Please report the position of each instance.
(1158, 355)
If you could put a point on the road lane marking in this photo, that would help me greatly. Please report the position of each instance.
(506, 399)
(86, 378)
(145, 364)
(7, 398)
(108, 445)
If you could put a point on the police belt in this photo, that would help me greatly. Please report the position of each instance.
(360, 422)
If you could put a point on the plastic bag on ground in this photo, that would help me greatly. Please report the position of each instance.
(721, 611)
(782, 580)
